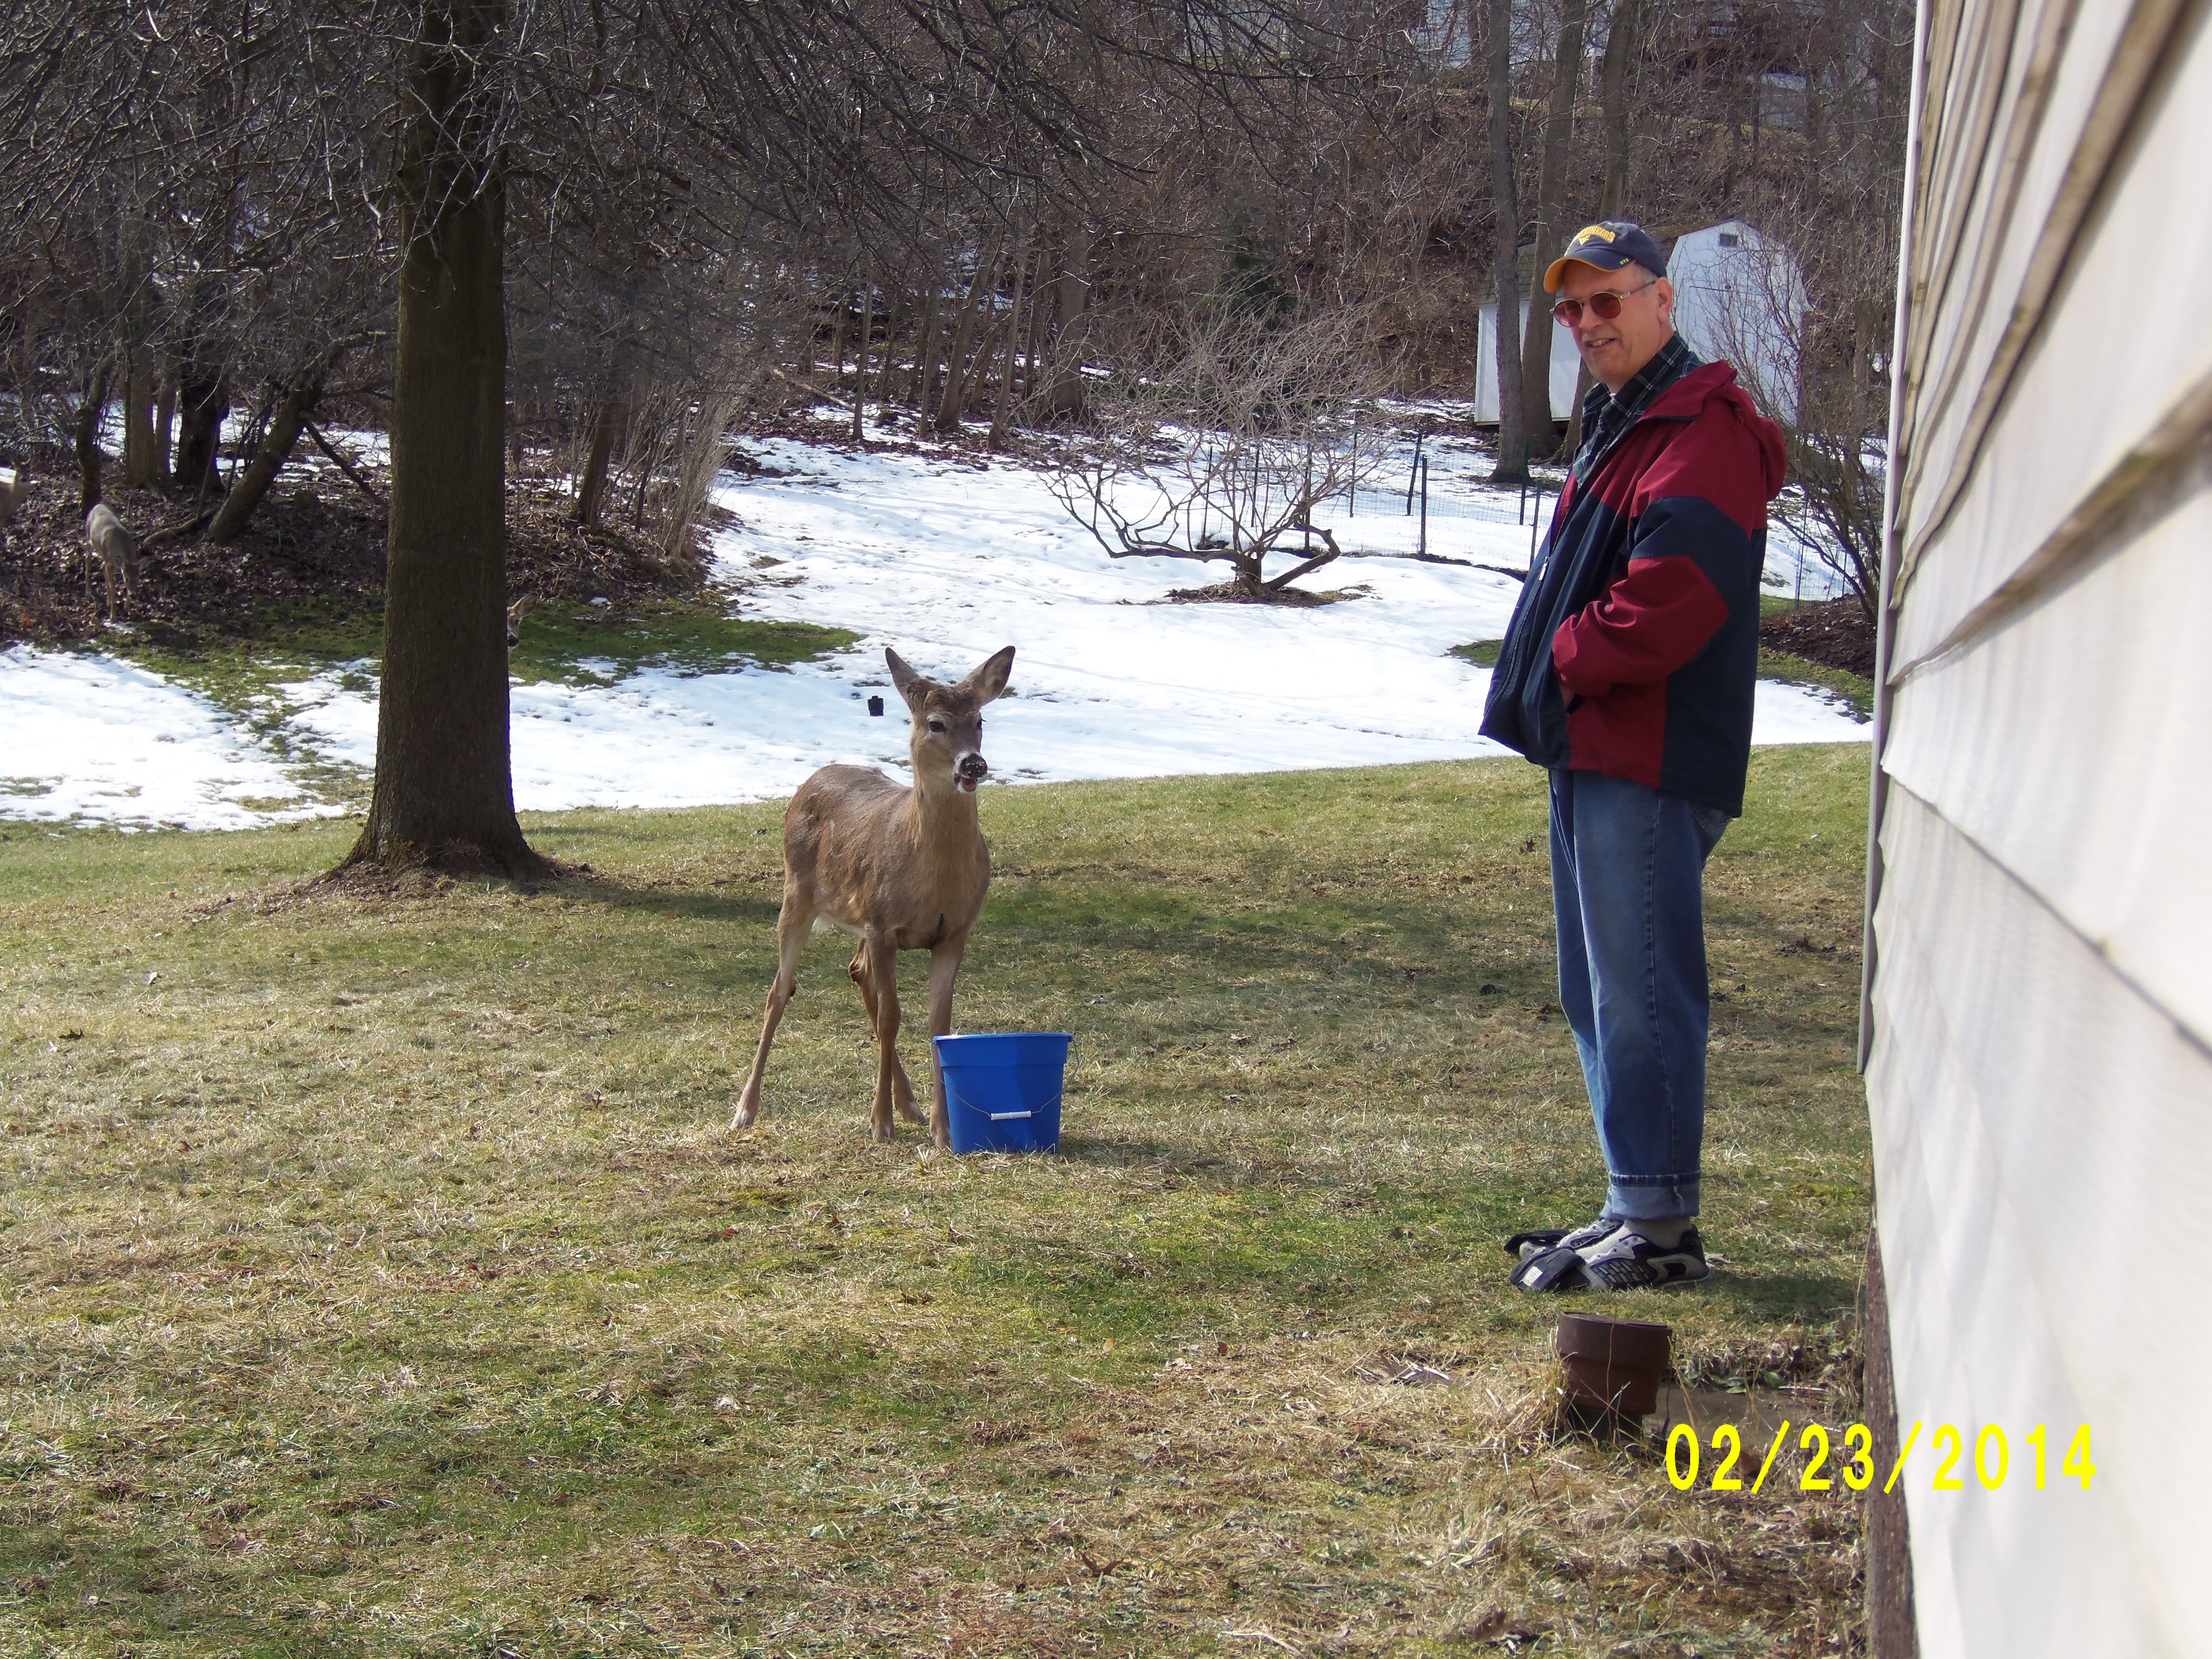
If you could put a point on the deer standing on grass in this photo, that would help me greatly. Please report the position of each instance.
(898, 868)
(110, 544)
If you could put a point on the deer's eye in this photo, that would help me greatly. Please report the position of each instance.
(937, 727)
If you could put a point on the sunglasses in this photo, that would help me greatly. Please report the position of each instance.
(1605, 306)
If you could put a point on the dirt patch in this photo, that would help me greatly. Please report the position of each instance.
(1836, 634)
(1230, 593)
(549, 557)
(316, 547)
(307, 545)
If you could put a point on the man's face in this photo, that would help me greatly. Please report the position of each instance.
(1616, 348)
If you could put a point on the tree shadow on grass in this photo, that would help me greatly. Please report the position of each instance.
(688, 903)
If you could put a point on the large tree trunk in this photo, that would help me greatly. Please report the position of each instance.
(1512, 422)
(608, 419)
(203, 391)
(164, 417)
(443, 793)
(139, 420)
(1621, 42)
(1002, 410)
(894, 325)
(204, 397)
(925, 342)
(277, 443)
(861, 365)
(1033, 343)
(88, 458)
(1071, 304)
(952, 400)
(1550, 192)
(1623, 38)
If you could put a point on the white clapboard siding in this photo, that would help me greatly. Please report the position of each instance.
(2038, 1132)
(2014, 209)
(2093, 388)
(2040, 1075)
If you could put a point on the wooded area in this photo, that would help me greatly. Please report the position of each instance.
(602, 232)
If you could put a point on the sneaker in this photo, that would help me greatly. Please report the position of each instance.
(1551, 1260)
(1623, 1260)
(1525, 1246)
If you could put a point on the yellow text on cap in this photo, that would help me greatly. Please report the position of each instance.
(1593, 232)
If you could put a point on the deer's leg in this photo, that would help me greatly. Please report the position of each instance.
(902, 1086)
(792, 926)
(882, 971)
(944, 968)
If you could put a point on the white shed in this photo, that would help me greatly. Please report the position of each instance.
(2040, 993)
(1566, 365)
(1740, 298)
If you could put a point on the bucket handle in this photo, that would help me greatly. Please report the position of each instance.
(1000, 1117)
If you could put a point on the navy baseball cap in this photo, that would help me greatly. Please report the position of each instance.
(1608, 245)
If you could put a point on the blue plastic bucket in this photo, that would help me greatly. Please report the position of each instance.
(1002, 1090)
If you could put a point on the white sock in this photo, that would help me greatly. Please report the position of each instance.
(1666, 1233)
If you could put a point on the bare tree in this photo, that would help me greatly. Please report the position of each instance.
(1221, 445)
(1811, 371)
(1550, 196)
(1512, 412)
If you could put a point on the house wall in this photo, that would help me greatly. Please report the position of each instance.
(2040, 992)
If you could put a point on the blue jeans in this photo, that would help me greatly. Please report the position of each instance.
(1628, 890)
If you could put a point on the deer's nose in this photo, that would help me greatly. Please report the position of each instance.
(973, 767)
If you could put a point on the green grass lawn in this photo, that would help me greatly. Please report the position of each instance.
(377, 1274)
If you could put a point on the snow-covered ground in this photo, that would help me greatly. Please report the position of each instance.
(947, 560)
(89, 738)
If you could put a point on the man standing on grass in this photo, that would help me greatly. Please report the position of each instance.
(1627, 673)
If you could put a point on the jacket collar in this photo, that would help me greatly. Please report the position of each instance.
(1607, 415)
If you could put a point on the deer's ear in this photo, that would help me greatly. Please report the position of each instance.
(987, 681)
(911, 686)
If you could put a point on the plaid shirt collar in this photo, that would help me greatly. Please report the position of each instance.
(1606, 415)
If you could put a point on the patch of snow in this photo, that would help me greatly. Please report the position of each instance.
(91, 737)
(946, 559)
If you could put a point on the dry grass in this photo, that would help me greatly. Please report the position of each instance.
(378, 1277)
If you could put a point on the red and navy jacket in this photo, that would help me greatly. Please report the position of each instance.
(1635, 647)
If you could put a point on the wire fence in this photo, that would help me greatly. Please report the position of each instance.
(1459, 518)
(1453, 518)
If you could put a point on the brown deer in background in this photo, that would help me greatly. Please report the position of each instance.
(118, 554)
(898, 868)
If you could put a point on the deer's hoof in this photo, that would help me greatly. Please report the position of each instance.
(746, 1117)
(912, 1113)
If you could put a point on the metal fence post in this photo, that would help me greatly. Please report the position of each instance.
(1413, 473)
(1424, 505)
